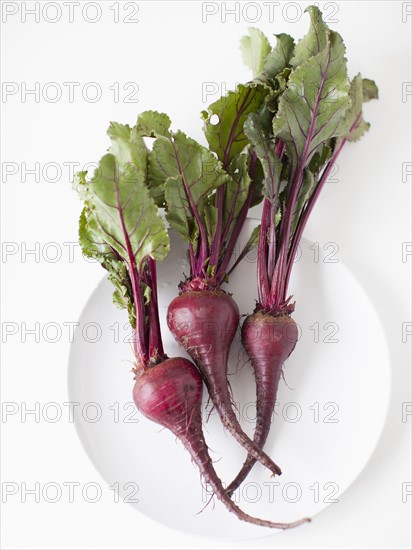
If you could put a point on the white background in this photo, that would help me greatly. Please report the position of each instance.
(170, 53)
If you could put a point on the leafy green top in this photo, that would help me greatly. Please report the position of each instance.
(274, 138)
(121, 227)
(310, 111)
(203, 199)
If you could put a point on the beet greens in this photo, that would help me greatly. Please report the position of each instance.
(121, 227)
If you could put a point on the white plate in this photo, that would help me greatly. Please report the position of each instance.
(329, 416)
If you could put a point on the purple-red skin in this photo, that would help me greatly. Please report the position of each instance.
(268, 340)
(170, 394)
(204, 323)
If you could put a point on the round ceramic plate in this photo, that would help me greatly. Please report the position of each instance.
(331, 405)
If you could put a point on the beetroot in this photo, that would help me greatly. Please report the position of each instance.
(170, 393)
(205, 323)
(268, 341)
(297, 143)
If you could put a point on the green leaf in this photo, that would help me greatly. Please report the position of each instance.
(280, 56)
(179, 214)
(210, 218)
(120, 221)
(253, 241)
(277, 62)
(274, 77)
(353, 126)
(357, 124)
(361, 128)
(315, 100)
(155, 185)
(89, 237)
(314, 42)
(255, 49)
(224, 120)
(153, 124)
(320, 158)
(282, 79)
(125, 212)
(236, 189)
(370, 90)
(93, 247)
(190, 174)
(122, 295)
(128, 149)
(256, 185)
(265, 150)
(147, 293)
(305, 191)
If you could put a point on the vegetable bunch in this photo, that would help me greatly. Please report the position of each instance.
(273, 139)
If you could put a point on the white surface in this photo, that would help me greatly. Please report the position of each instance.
(314, 449)
(366, 212)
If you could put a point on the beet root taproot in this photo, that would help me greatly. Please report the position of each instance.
(268, 341)
(170, 394)
(204, 323)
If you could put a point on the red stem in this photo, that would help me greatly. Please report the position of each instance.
(203, 246)
(233, 239)
(303, 219)
(140, 339)
(220, 235)
(279, 150)
(238, 226)
(277, 281)
(156, 351)
(252, 169)
(272, 241)
(262, 268)
(294, 191)
(217, 241)
(231, 138)
(267, 250)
